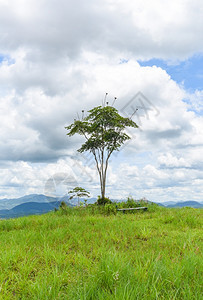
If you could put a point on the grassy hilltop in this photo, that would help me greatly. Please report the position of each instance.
(83, 254)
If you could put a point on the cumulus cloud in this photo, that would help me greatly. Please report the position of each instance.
(195, 101)
(35, 121)
(169, 160)
(157, 184)
(50, 30)
(58, 58)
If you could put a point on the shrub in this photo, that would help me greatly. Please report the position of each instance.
(63, 205)
(103, 201)
(130, 203)
(110, 209)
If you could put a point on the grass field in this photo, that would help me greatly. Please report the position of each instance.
(78, 254)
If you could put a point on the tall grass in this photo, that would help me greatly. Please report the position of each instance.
(87, 254)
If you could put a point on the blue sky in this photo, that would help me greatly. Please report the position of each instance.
(6, 58)
(188, 72)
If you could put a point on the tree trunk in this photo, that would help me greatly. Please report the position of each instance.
(104, 176)
(103, 184)
(103, 192)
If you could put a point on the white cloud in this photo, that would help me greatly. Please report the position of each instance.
(34, 123)
(196, 101)
(50, 30)
(61, 58)
(169, 160)
(38, 119)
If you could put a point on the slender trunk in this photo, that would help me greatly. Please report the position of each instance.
(101, 184)
(100, 171)
(104, 175)
(104, 180)
(103, 187)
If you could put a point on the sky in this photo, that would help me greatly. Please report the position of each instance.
(58, 58)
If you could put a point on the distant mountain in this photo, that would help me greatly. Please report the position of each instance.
(34, 204)
(168, 203)
(160, 204)
(30, 208)
(10, 203)
(193, 204)
(39, 198)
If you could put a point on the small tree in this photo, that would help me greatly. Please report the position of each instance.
(104, 131)
(78, 192)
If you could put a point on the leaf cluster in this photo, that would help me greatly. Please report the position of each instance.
(103, 128)
(78, 192)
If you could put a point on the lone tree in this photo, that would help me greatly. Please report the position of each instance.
(78, 192)
(104, 131)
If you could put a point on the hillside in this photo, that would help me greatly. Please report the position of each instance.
(82, 254)
(10, 203)
(37, 198)
(30, 208)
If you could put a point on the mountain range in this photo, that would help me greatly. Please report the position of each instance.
(30, 208)
(193, 204)
(33, 204)
(39, 204)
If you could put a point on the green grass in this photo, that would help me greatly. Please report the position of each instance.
(81, 254)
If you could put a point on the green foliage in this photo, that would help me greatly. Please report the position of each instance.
(78, 192)
(110, 209)
(63, 205)
(104, 128)
(131, 203)
(103, 201)
(78, 253)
